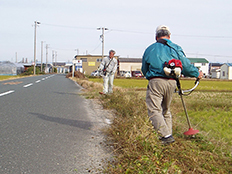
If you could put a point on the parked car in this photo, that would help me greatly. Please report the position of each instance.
(137, 74)
(122, 73)
(95, 73)
(127, 74)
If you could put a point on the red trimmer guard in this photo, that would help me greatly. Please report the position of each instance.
(191, 132)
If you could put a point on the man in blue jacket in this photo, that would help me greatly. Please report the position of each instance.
(161, 87)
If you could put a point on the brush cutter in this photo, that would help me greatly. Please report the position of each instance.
(191, 131)
(173, 69)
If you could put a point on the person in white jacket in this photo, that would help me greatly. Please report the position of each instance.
(109, 67)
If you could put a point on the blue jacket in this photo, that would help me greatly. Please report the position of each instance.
(158, 53)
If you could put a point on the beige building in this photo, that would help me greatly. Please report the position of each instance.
(130, 64)
(90, 63)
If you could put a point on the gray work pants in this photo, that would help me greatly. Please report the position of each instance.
(158, 99)
(108, 80)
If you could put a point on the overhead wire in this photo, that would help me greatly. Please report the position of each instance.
(66, 26)
(209, 55)
(216, 37)
(96, 47)
(139, 32)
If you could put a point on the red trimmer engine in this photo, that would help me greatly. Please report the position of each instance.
(173, 68)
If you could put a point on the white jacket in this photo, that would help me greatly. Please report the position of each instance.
(112, 66)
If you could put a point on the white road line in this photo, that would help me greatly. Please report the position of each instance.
(38, 81)
(43, 78)
(25, 86)
(5, 93)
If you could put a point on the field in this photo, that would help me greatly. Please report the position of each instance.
(138, 151)
(209, 107)
(7, 77)
(205, 85)
(135, 145)
(125, 83)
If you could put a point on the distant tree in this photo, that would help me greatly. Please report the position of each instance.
(30, 71)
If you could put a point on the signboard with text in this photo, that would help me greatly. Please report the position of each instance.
(78, 65)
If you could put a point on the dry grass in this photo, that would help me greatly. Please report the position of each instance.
(9, 77)
(137, 148)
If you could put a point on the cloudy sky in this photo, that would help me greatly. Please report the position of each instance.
(203, 28)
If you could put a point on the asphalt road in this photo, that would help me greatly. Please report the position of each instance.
(47, 127)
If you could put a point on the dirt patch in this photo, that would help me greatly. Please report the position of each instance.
(101, 152)
(12, 83)
(77, 74)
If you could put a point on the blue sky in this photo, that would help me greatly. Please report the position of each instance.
(201, 27)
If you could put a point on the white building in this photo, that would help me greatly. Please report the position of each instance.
(215, 73)
(214, 70)
(202, 64)
(130, 64)
(226, 71)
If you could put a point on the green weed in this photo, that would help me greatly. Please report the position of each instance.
(138, 149)
(205, 85)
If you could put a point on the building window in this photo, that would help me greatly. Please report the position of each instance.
(223, 73)
(203, 64)
(99, 60)
(84, 59)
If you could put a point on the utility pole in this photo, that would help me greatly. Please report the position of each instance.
(16, 57)
(55, 58)
(77, 51)
(52, 61)
(41, 56)
(46, 57)
(102, 37)
(35, 45)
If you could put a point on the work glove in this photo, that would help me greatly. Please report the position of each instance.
(99, 69)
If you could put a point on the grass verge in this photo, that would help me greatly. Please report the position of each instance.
(137, 148)
(8, 77)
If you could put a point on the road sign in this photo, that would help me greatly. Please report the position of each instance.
(77, 62)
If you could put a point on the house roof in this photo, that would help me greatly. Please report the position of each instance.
(89, 55)
(59, 63)
(135, 60)
(228, 64)
(215, 70)
(216, 64)
(198, 60)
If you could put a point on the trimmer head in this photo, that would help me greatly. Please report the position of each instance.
(191, 131)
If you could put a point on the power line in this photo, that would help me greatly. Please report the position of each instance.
(63, 49)
(96, 47)
(209, 55)
(179, 35)
(216, 37)
(129, 31)
(138, 32)
(66, 26)
(142, 32)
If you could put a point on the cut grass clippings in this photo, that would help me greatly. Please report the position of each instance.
(137, 148)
